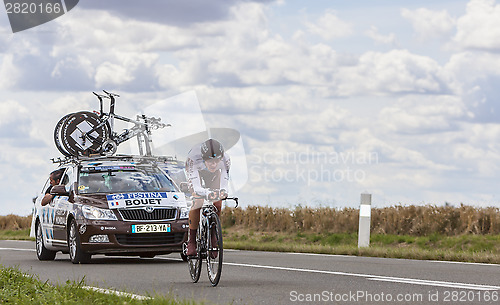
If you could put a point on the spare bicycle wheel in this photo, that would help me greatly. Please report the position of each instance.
(57, 135)
(83, 133)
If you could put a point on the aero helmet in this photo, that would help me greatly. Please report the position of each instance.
(211, 149)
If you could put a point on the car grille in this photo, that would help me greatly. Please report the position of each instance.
(150, 238)
(141, 214)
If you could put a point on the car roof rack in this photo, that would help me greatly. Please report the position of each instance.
(76, 160)
(63, 161)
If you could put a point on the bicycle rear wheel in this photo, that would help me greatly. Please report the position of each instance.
(215, 251)
(57, 135)
(74, 128)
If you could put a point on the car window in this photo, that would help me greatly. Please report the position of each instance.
(45, 186)
(66, 180)
(114, 179)
(178, 175)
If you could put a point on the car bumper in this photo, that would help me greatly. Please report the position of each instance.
(123, 241)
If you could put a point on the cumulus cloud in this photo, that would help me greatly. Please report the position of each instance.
(470, 66)
(430, 24)
(476, 149)
(374, 34)
(5, 39)
(396, 71)
(479, 28)
(183, 13)
(423, 115)
(133, 71)
(14, 121)
(477, 74)
(238, 51)
(329, 26)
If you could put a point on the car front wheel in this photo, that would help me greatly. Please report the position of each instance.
(76, 254)
(42, 253)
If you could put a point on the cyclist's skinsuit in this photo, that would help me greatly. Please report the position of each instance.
(200, 179)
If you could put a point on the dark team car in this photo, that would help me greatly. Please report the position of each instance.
(118, 205)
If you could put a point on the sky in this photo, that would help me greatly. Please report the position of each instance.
(398, 99)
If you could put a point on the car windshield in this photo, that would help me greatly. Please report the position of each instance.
(176, 174)
(119, 179)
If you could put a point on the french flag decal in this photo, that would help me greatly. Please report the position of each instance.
(114, 203)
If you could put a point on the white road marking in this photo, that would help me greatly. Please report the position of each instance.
(378, 277)
(466, 263)
(18, 249)
(321, 254)
(386, 258)
(436, 283)
(116, 292)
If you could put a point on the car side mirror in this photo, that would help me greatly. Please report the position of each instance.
(184, 186)
(59, 190)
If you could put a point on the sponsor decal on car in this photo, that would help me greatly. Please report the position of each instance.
(107, 228)
(152, 199)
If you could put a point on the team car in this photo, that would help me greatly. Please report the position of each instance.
(118, 205)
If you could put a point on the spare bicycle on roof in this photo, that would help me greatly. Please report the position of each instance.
(86, 133)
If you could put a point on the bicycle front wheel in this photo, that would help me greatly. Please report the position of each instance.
(215, 251)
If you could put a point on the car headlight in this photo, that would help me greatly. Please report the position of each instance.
(91, 212)
(184, 214)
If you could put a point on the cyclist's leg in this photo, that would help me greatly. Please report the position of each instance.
(194, 214)
(194, 219)
(218, 205)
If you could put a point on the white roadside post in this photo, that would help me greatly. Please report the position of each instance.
(365, 211)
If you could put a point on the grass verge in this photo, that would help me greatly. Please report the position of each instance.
(18, 288)
(23, 234)
(462, 248)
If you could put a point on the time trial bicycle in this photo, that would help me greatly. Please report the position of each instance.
(84, 133)
(209, 244)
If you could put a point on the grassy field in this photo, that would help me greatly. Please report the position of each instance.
(21, 234)
(397, 220)
(465, 248)
(19, 288)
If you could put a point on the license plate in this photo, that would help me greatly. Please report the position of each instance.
(150, 228)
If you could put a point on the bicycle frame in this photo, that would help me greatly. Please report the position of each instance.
(206, 211)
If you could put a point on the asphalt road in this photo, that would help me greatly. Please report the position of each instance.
(276, 278)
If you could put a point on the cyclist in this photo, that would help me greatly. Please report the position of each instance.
(207, 168)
